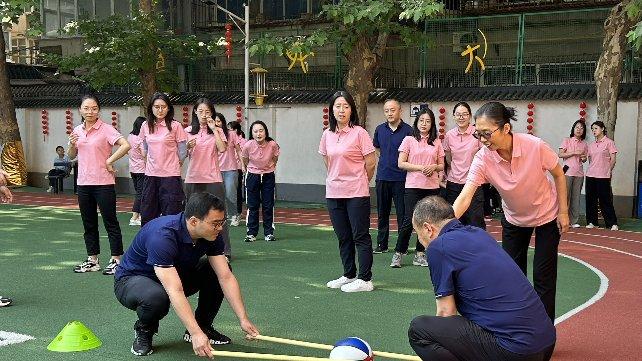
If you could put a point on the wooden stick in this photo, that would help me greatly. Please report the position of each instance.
(321, 346)
(266, 356)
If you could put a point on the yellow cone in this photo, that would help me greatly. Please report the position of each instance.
(74, 337)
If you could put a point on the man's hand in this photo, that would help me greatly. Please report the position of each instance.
(201, 345)
(249, 328)
(5, 195)
(73, 139)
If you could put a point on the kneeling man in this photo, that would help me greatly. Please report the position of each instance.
(165, 264)
(500, 315)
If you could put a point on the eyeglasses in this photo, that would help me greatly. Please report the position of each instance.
(486, 135)
(160, 107)
(217, 224)
(203, 112)
(88, 109)
(462, 115)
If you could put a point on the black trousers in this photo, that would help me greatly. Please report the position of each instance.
(56, 178)
(351, 222)
(162, 196)
(138, 179)
(149, 299)
(387, 192)
(239, 193)
(411, 197)
(260, 194)
(474, 216)
(515, 241)
(492, 199)
(103, 196)
(599, 192)
(455, 338)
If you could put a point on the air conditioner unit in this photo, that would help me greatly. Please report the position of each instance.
(461, 39)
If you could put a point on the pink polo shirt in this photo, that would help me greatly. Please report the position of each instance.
(599, 157)
(136, 159)
(529, 198)
(94, 148)
(575, 165)
(260, 156)
(162, 149)
(422, 153)
(239, 161)
(462, 148)
(203, 158)
(228, 159)
(346, 150)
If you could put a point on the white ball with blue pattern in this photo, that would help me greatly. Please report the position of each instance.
(351, 348)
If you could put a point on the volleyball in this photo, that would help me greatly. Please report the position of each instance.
(351, 348)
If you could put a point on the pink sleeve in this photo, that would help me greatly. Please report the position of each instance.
(549, 158)
(564, 145)
(476, 174)
(276, 149)
(143, 131)
(405, 145)
(440, 151)
(245, 152)
(365, 143)
(112, 135)
(221, 134)
(322, 149)
(181, 136)
(611, 147)
(444, 143)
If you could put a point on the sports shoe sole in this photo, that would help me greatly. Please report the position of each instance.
(81, 270)
(188, 338)
(141, 354)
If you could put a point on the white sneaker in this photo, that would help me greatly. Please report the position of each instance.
(343, 280)
(134, 222)
(590, 225)
(396, 260)
(615, 228)
(358, 286)
(235, 221)
(576, 226)
(420, 259)
(50, 189)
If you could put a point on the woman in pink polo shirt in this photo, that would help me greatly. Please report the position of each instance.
(574, 151)
(260, 155)
(165, 143)
(229, 169)
(516, 165)
(460, 146)
(349, 156)
(422, 157)
(601, 157)
(235, 127)
(136, 168)
(205, 142)
(92, 142)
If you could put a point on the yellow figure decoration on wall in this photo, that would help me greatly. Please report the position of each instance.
(470, 51)
(300, 57)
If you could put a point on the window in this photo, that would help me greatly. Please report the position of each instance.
(50, 17)
(103, 9)
(85, 9)
(67, 12)
(273, 9)
(294, 8)
(121, 7)
(233, 6)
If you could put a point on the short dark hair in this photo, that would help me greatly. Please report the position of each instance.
(354, 117)
(199, 205)
(497, 113)
(235, 126)
(432, 133)
(267, 132)
(600, 124)
(462, 104)
(150, 113)
(579, 121)
(137, 123)
(60, 146)
(432, 210)
(90, 96)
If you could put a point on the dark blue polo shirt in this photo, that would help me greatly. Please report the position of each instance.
(388, 143)
(489, 289)
(165, 242)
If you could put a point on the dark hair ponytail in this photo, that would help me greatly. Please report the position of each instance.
(497, 113)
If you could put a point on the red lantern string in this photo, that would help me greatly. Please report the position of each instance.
(442, 123)
(185, 123)
(45, 124)
(69, 123)
(583, 111)
(326, 116)
(531, 118)
(239, 113)
(114, 120)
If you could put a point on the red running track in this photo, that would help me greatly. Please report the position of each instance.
(609, 329)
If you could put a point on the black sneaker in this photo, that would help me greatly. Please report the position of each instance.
(111, 267)
(216, 338)
(5, 301)
(142, 345)
(380, 249)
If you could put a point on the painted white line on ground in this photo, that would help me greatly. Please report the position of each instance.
(602, 236)
(9, 338)
(602, 247)
(604, 285)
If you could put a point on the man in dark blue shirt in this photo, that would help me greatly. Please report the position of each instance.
(165, 264)
(502, 318)
(391, 180)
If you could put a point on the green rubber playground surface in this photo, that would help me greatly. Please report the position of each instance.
(283, 284)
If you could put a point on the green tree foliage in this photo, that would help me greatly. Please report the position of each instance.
(634, 10)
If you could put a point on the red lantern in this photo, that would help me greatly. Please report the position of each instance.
(239, 114)
(531, 105)
(238, 108)
(441, 124)
(442, 110)
(325, 123)
(325, 116)
(326, 110)
(442, 117)
(441, 136)
(228, 40)
(69, 122)
(45, 122)
(530, 113)
(530, 120)
(582, 113)
(442, 130)
(583, 105)
(529, 127)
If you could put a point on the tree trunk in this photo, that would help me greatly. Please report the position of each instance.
(147, 77)
(363, 63)
(13, 158)
(608, 72)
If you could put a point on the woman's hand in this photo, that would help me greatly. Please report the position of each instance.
(191, 144)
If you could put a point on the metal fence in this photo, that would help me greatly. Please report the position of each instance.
(560, 47)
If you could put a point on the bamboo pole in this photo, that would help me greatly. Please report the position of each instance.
(265, 356)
